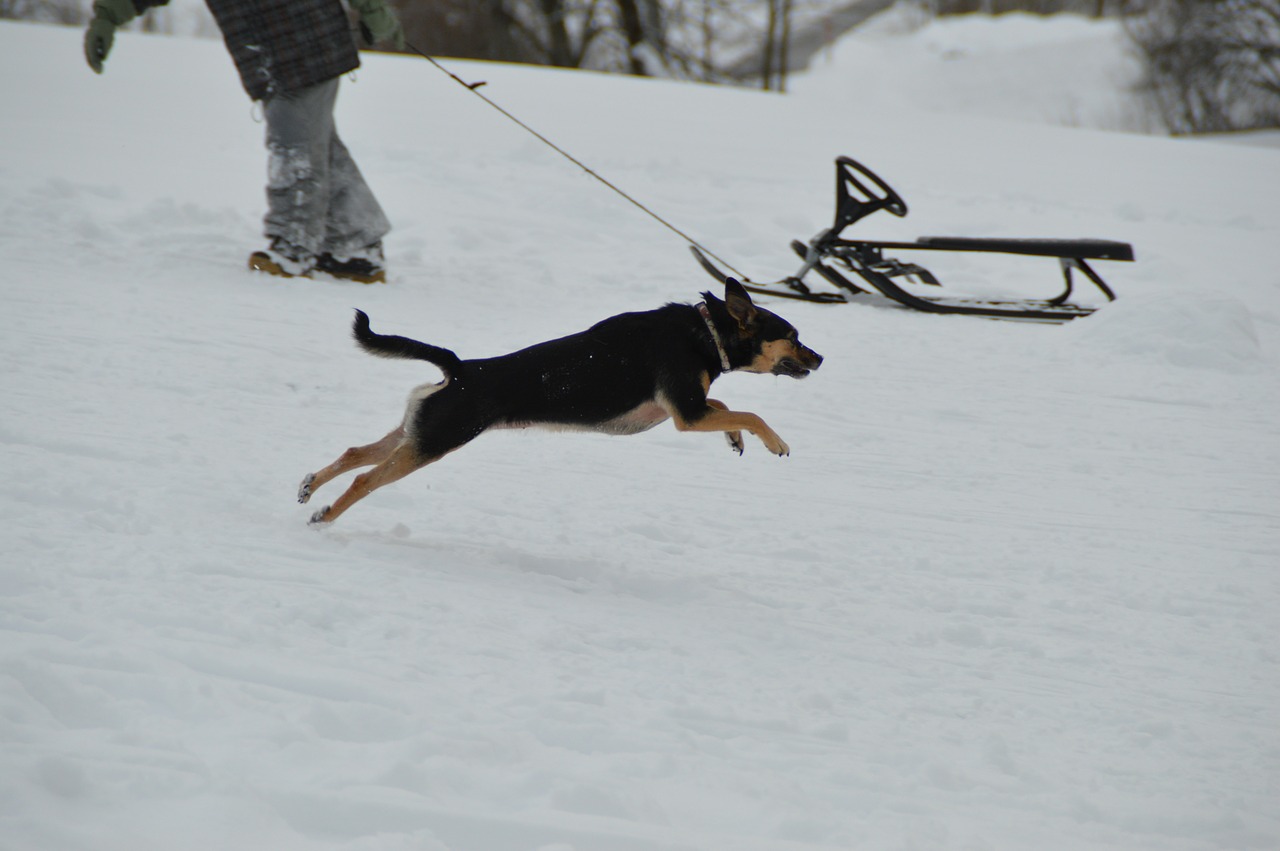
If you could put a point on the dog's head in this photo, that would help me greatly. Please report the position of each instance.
(763, 341)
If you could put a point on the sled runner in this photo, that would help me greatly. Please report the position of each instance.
(859, 193)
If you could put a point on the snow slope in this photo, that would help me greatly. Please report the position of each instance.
(1016, 586)
(1066, 70)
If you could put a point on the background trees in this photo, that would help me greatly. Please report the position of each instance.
(1210, 65)
(612, 35)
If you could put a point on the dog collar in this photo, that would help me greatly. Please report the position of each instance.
(715, 336)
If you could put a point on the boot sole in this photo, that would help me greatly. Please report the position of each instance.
(260, 262)
(376, 278)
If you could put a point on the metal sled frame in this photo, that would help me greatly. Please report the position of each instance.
(859, 193)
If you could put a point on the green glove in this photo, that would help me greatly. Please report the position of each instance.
(378, 23)
(107, 15)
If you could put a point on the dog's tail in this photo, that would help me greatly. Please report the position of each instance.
(388, 346)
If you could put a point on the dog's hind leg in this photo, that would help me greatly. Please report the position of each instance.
(357, 456)
(402, 461)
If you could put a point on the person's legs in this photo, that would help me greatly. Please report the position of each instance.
(356, 221)
(356, 225)
(299, 184)
(320, 212)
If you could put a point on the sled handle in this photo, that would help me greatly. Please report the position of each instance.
(855, 199)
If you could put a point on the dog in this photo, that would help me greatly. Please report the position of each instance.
(623, 375)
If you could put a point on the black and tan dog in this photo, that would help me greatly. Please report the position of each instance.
(622, 376)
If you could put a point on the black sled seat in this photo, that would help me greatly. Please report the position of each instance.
(860, 192)
(1081, 249)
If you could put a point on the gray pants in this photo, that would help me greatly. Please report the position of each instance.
(317, 199)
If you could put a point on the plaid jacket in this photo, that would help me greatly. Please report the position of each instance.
(282, 45)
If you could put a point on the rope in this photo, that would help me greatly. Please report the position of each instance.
(474, 88)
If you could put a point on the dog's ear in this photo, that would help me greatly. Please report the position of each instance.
(739, 304)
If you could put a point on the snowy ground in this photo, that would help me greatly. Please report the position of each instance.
(1016, 587)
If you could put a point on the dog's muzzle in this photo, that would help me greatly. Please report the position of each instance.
(806, 361)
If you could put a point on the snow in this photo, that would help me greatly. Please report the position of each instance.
(1068, 70)
(1015, 587)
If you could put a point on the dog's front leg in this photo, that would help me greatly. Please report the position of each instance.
(734, 437)
(722, 419)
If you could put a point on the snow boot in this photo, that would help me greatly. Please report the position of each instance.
(365, 266)
(283, 260)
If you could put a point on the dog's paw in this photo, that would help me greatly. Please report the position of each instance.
(777, 445)
(321, 516)
(734, 439)
(304, 489)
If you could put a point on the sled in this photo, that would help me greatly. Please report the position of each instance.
(859, 193)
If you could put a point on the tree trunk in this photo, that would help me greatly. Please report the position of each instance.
(633, 31)
(784, 48)
(559, 52)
